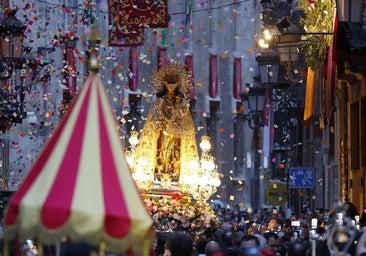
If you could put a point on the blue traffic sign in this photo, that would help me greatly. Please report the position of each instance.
(302, 177)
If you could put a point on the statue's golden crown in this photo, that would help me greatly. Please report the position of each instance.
(174, 73)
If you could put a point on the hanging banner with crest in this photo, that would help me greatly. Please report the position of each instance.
(128, 18)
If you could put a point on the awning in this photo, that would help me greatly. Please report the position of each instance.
(81, 187)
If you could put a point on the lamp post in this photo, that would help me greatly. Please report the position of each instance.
(254, 97)
(12, 88)
(258, 100)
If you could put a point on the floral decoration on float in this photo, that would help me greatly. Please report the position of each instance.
(175, 212)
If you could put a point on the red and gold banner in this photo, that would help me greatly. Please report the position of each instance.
(126, 36)
(128, 18)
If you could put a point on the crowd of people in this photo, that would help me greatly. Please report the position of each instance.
(341, 232)
(269, 233)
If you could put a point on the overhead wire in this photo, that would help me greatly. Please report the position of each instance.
(172, 13)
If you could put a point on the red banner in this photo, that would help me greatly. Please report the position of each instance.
(134, 69)
(71, 70)
(237, 78)
(213, 87)
(128, 18)
(162, 57)
(189, 67)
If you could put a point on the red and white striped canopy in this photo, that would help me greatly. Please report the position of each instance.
(81, 187)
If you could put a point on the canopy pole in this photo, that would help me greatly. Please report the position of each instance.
(6, 248)
(94, 42)
(102, 249)
(146, 249)
(40, 248)
(57, 249)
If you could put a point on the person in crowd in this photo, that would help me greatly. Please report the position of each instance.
(179, 244)
(272, 240)
(361, 244)
(161, 239)
(213, 248)
(201, 241)
(226, 239)
(201, 247)
(233, 248)
(78, 249)
(351, 210)
(250, 246)
(297, 248)
(274, 224)
(263, 228)
(249, 241)
(262, 240)
(237, 238)
(32, 250)
(322, 248)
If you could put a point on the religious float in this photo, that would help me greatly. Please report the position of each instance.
(175, 179)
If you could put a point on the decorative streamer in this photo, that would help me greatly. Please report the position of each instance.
(188, 13)
(163, 38)
(213, 87)
(237, 78)
(190, 68)
(133, 66)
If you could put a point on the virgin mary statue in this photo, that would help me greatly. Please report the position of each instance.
(167, 148)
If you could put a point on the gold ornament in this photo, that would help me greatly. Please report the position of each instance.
(174, 73)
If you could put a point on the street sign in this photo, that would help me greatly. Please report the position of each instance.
(301, 177)
(276, 193)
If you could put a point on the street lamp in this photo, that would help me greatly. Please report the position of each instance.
(286, 38)
(268, 68)
(290, 57)
(11, 43)
(255, 98)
